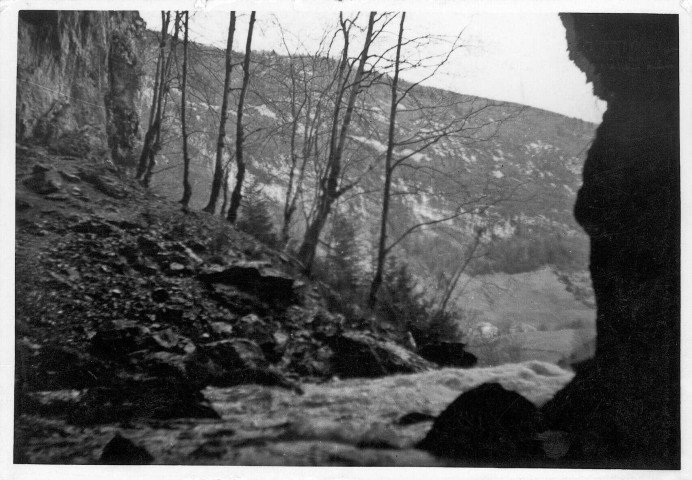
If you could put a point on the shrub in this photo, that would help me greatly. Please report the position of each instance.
(255, 215)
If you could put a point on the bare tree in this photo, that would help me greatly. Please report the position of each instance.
(305, 78)
(240, 134)
(149, 147)
(388, 171)
(187, 189)
(220, 144)
(461, 118)
(330, 188)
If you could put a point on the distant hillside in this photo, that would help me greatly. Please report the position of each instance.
(533, 153)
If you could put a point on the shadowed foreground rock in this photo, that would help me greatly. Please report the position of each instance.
(486, 424)
(448, 354)
(121, 451)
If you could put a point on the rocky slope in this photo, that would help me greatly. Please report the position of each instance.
(138, 322)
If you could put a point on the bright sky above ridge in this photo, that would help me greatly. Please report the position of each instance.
(520, 58)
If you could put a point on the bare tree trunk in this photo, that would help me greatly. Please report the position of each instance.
(330, 191)
(449, 290)
(388, 170)
(155, 115)
(163, 91)
(220, 143)
(187, 188)
(236, 196)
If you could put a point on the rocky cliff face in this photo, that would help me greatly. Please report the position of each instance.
(78, 79)
(623, 407)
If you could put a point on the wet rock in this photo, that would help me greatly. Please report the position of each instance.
(234, 355)
(233, 362)
(44, 180)
(169, 340)
(57, 197)
(22, 205)
(142, 398)
(103, 184)
(148, 246)
(448, 354)
(267, 283)
(70, 177)
(126, 224)
(50, 402)
(486, 424)
(308, 358)
(174, 315)
(221, 329)
(160, 295)
(414, 417)
(360, 355)
(122, 451)
(214, 448)
(196, 246)
(57, 367)
(92, 226)
(260, 332)
(118, 338)
(163, 364)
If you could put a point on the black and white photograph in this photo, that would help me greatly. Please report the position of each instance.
(339, 234)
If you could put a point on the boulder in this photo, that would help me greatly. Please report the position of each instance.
(44, 181)
(226, 363)
(361, 355)
(119, 338)
(448, 354)
(141, 397)
(57, 367)
(487, 425)
(122, 451)
(267, 283)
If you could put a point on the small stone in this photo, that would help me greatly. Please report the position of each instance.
(160, 295)
(176, 267)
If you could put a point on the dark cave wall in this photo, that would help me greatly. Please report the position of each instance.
(78, 78)
(623, 406)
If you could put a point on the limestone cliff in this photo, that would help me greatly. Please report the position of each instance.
(623, 407)
(78, 78)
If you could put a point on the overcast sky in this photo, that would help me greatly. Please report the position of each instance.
(513, 57)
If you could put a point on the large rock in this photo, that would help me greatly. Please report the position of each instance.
(141, 398)
(119, 338)
(623, 407)
(360, 355)
(487, 425)
(237, 361)
(266, 283)
(56, 367)
(44, 181)
(448, 354)
(122, 451)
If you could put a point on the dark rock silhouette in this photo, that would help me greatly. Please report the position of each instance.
(623, 407)
(122, 451)
(361, 355)
(448, 354)
(265, 282)
(414, 417)
(486, 424)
